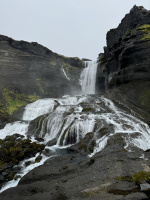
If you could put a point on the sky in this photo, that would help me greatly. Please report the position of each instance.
(74, 28)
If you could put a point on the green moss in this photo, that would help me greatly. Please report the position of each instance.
(123, 150)
(12, 100)
(137, 178)
(53, 63)
(144, 98)
(32, 98)
(2, 164)
(15, 149)
(65, 167)
(68, 68)
(83, 147)
(28, 163)
(129, 32)
(38, 81)
(38, 159)
(145, 29)
(86, 109)
(11, 176)
(103, 130)
(91, 146)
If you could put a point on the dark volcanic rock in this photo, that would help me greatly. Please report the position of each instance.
(125, 63)
(137, 15)
(128, 49)
(129, 61)
(72, 176)
(101, 74)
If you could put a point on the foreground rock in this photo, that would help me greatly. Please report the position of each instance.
(112, 173)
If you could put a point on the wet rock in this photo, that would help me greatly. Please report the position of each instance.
(126, 67)
(86, 145)
(13, 150)
(123, 188)
(52, 142)
(2, 178)
(27, 163)
(38, 159)
(145, 186)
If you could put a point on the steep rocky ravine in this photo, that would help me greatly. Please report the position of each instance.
(123, 75)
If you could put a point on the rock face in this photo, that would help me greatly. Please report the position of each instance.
(29, 71)
(126, 60)
(112, 173)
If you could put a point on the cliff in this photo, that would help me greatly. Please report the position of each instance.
(125, 63)
(121, 169)
(29, 71)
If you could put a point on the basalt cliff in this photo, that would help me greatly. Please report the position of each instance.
(125, 64)
(110, 161)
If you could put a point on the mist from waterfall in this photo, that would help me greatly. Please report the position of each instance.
(88, 77)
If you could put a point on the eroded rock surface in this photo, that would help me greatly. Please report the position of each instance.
(124, 66)
(72, 176)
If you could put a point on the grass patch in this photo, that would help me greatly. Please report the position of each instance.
(38, 81)
(137, 178)
(145, 29)
(53, 63)
(12, 100)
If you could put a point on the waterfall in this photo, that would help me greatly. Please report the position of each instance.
(88, 77)
(67, 121)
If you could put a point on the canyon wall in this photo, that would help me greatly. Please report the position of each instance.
(29, 71)
(125, 64)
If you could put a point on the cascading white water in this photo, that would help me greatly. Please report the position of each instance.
(37, 108)
(67, 120)
(88, 77)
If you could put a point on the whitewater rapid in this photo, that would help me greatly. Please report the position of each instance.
(69, 119)
(66, 121)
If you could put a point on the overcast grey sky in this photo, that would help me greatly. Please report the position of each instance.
(74, 28)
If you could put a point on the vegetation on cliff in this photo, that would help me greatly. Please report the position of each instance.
(12, 100)
(145, 29)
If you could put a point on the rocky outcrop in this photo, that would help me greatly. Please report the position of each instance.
(14, 149)
(29, 71)
(126, 67)
(113, 173)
